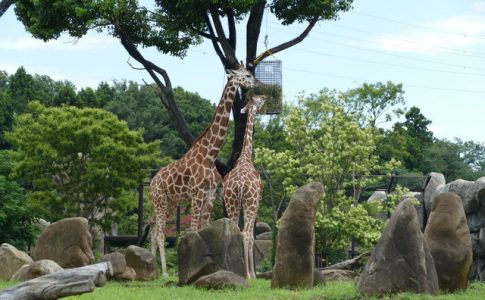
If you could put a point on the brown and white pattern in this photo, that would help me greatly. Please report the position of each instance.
(194, 177)
(243, 187)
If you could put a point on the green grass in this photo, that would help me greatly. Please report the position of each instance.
(259, 289)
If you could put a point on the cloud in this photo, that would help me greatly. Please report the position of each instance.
(62, 44)
(449, 35)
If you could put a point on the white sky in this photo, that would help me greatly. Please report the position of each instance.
(436, 48)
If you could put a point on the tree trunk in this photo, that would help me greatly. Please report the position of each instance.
(4, 5)
(61, 284)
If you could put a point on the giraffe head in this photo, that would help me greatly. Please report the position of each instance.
(254, 104)
(242, 77)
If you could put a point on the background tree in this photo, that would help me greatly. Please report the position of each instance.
(139, 107)
(77, 160)
(172, 27)
(327, 145)
(16, 220)
(418, 138)
(456, 160)
(376, 101)
(21, 87)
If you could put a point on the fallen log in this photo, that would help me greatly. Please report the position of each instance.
(61, 284)
(349, 263)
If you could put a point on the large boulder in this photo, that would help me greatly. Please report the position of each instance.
(143, 263)
(36, 269)
(463, 188)
(449, 241)
(221, 279)
(218, 246)
(11, 259)
(67, 242)
(295, 257)
(436, 183)
(401, 260)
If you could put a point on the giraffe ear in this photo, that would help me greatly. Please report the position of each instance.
(244, 109)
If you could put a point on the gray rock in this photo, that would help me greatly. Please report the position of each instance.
(476, 220)
(265, 275)
(128, 274)
(436, 182)
(262, 227)
(463, 188)
(262, 251)
(477, 199)
(295, 257)
(378, 196)
(338, 275)
(319, 278)
(218, 246)
(11, 259)
(265, 236)
(117, 260)
(143, 262)
(221, 279)
(36, 269)
(449, 241)
(67, 242)
(401, 260)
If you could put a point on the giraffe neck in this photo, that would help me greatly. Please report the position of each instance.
(247, 148)
(213, 136)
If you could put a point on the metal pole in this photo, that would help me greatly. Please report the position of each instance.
(140, 211)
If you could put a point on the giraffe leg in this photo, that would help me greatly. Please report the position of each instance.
(232, 204)
(252, 272)
(207, 208)
(158, 230)
(198, 201)
(250, 212)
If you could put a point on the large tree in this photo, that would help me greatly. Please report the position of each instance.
(327, 145)
(172, 27)
(78, 161)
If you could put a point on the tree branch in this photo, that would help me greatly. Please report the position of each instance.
(231, 24)
(4, 5)
(166, 94)
(214, 41)
(229, 53)
(253, 29)
(292, 42)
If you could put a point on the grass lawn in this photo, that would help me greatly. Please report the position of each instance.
(259, 289)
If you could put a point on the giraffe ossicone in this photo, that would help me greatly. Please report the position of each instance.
(243, 187)
(194, 177)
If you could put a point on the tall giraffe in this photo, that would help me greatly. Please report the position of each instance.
(243, 187)
(194, 177)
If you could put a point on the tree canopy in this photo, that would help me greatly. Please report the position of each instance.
(327, 145)
(172, 27)
(77, 160)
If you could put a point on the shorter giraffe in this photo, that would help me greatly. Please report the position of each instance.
(243, 187)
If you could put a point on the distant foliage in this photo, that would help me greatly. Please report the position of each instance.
(16, 220)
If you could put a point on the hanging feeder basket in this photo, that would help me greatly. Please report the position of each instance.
(269, 73)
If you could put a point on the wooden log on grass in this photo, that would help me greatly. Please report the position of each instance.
(349, 263)
(61, 284)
